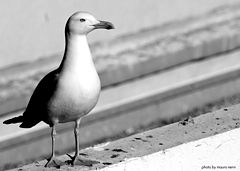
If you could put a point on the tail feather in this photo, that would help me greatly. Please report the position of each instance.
(14, 120)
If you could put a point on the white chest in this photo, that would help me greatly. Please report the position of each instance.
(75, 97)
(78, 85)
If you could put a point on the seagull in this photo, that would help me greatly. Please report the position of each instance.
(72, 90)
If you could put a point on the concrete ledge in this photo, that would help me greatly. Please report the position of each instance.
(212, 153)
(134, 55)
(210, 140)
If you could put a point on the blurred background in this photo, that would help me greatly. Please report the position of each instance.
(31, 30)
(165, 61)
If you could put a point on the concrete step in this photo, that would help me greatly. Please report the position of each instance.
(209, 141)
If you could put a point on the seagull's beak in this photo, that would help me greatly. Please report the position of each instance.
(104, 25)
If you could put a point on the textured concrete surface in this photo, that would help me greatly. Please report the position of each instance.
(135, 55)
(27, 22)
(212, 153)
(167, 144)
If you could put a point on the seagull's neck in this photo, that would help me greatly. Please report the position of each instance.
(77, 56)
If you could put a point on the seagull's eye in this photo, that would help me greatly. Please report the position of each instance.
(82, 20)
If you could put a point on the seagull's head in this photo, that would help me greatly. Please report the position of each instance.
(82, 23)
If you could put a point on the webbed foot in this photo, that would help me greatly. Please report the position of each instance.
(53, 162)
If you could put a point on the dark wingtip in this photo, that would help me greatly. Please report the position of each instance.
(13, 120)
(6, 122)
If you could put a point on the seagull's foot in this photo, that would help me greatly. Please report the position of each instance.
(53, 162)
(74, 160)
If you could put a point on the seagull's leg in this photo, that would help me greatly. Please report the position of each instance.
(51, 160)
(76, 134)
